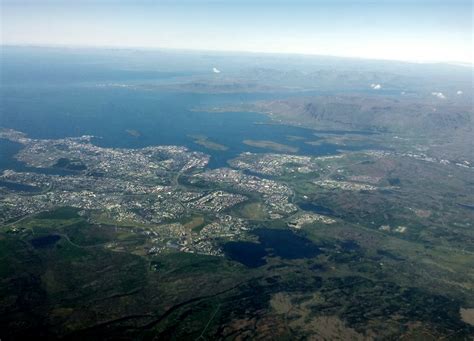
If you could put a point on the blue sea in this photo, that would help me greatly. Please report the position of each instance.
(47, 94)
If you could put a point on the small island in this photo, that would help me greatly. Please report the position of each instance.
(295, 138)
(278, 147)
(133, 132)
(204, 141)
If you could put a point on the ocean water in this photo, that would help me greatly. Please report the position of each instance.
(47, 96)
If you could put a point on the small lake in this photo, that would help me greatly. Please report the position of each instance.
(319, 209)
(19, 187)
(45, 242)
(285, 244)
(247, 253)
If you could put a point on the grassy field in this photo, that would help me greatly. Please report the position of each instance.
(87, 277)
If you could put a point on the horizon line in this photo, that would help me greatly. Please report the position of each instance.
(191, 50)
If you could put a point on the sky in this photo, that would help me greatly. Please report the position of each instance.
(409, 30)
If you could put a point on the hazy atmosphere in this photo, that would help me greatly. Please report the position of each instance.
(418, 30)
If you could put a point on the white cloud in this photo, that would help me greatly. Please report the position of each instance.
(459, 93)
(440, 95)
(376, 86)
(216, 70)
